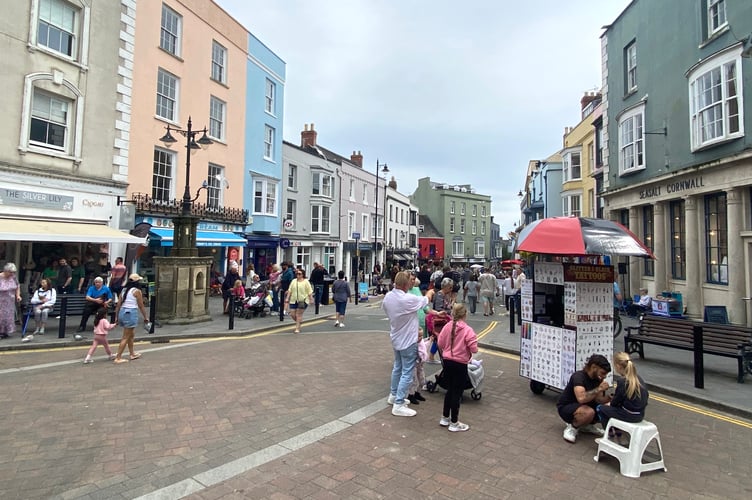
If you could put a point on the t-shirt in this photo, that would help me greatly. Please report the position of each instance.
(578, 378)
(472, 288)
(340, 291)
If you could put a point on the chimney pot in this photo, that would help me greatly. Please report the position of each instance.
(308, 136)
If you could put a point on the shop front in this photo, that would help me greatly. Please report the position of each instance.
(262, 252)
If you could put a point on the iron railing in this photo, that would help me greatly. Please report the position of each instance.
(147, 205)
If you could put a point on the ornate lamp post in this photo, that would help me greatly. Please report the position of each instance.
(384, 170)
(183, 277)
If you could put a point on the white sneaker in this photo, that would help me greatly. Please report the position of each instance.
(88, 360)
(41, 331)
(570, 433)
(392, 398)
(341, 325)
(36, 332)
(27, 338)
(593, 429)
(458, 427)
(444, 422)
(402, 411)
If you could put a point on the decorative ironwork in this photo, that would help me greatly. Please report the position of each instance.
(146, 205)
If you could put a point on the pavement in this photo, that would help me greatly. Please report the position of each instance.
(669, 371)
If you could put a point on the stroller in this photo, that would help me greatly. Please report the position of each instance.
(474, 380)
(258, 301)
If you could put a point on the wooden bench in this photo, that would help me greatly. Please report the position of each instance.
(730, 341)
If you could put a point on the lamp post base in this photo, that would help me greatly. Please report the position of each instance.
(182, 289)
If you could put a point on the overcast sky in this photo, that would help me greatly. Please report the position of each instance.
(463, 92)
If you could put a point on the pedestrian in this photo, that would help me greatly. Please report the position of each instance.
(250, 273)
(442, 300)
(457, 343)
(471, 292)
(284, 285)
(117, 277)
(298, 297)
(230, 278)
(487, 291)
(10, 297)
(585, 390)
(341, 294)
(317, 281)
(98, 295)
(518, 281)
(101, 327)
(78, 274)
(419, 372)
(130, 304)
(630, 395)
(508, 290)
(274, 276)
(424, 275)
(401, 308)
(64, 276)
(43, 301)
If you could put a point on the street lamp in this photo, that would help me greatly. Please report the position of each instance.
(384, 170)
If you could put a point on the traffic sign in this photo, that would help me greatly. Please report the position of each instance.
(356, 236)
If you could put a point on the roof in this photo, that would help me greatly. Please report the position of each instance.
(429, 230)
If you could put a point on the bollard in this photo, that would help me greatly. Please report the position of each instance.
(152, 311)
(231, 320)
(699, 363)
(63, 315)
(511, 316)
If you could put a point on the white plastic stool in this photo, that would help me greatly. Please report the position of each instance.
(630, 459)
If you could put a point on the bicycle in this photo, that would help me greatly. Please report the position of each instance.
(617, 322)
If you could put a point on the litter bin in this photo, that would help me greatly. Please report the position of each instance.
(325, 293)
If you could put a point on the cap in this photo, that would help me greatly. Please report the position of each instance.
(135, 277)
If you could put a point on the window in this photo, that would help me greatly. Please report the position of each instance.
(323, 185)
(716, 100)
(269, 96)
(219, 63)
(458, 248)
(380, 228)
(482, 228)
(292, 177)
(475, 210)
(630, 67)
(365, 194)
(462, 226)
(482, 210)
(352, 189)
(474, 227)
(57, 27)
(631, 141)
(169, 38)
(716, 15)
(161, 181)
(716, 239)
(217, 118)
(572, 168)
(167, 95)
(49, 121)
(451, 207)
(479, 248)
(268, 143)
(303, 257)
(678, 236)
(591, 203)
(350, 224)
(365, 228)
(391, 213)
(591, 157)
(265, 197)
(329, 260)
(571, 205)
(291, 211)
(451, 224)
(214, 179)
(319, 219)
(648, 268)
(462, 208)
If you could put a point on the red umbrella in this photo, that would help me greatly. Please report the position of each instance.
(512, 262)
(580, 236)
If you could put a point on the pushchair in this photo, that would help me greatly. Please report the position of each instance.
(474, 381)
(258, 301)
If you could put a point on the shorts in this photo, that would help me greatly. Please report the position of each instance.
(340, 308)
(487, 298)
(128, 318)
(294, 305)
(566, 412)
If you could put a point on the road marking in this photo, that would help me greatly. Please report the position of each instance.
(487, 329)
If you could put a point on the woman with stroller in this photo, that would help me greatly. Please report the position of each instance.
(297, 298)
(457, 343)
(441, 301)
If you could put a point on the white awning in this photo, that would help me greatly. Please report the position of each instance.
(72, 232)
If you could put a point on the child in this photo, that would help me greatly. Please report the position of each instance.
(419, 374)
(238, 290)
(101, 327)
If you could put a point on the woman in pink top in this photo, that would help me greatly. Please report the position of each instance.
(101, 327)
(457, 343)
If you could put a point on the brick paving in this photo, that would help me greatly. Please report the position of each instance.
(182, 413)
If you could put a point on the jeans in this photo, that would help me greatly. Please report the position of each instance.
(318, 292)
(473, 301)
(402, 373)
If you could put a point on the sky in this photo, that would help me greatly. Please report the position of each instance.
(462, 92)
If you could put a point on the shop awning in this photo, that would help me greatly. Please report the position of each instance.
(203, 238)
(71, 232)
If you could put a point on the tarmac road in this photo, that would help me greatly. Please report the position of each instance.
(277, 415)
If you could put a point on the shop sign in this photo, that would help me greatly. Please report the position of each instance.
(35, 199)
(672, 187)
(587, 273)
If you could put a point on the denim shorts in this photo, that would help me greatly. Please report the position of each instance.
(128, 318)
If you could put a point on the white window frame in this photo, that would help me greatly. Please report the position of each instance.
(352, 189)
(292, 177)
(630, 65)
(270, 96)
(451, 224)
(458, 248)
(321, 221)
(716, 16)
(303, 257)
(479, 248)
(572, 205)
(475, 210)
(633, 145)
(451, 207)
(351, 227)
(269, 142)
(482, 228)
(219, 63)
(166, 31)
(169, 195)
(380, 226)
(291, 212)
(701, 113)
(463, 206)
(266, 196)
(365, 234)
(462, 226)
(217, 118)
(474, 227)
(173, 84)
(482, 210)
(49, 101)
(365, 194)
(323, 183)
(570, 172)
(214, 192)
(78, 31)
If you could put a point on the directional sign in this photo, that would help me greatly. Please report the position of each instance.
(356, 236)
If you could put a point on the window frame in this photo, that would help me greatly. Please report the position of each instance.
(648, 238)
(218, 71)
(160, 194)
(721, 63)
(716, 238)
(215, 103)
(270, 96)
(719, 6)
(630, 68)
(366, 227)
(175, 99)
(49, 120)
(351, 224)
(263, 198)
(214, 193)
(568, 209)
(479, 248)
(451, 207)
(462, 226)
(178, 36)
(631, 117)
(463, 207)
(269, 134)
(458, 245)
(322, 182)
(451, 224)
(292, 177)
(291, 207)
(73, 31)
(678, 239)
(352, 189)
(320, 219)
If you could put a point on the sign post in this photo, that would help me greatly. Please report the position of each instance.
(356, 237)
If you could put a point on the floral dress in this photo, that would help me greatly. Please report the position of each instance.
(8, 287)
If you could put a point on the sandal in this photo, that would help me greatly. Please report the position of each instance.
(135, 355)
(296, 331)
(117, 361)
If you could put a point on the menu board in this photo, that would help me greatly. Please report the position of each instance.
(526, 349)
(546, 355)
(526, 300)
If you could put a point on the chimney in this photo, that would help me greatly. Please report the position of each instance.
(393, 183)
(357, 159)
(588, 98)
(308, 137)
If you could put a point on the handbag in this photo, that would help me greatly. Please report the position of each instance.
(301, 304)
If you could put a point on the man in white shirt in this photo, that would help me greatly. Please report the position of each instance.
(401, 308)
(487, 282)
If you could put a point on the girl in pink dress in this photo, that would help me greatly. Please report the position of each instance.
(101, 327)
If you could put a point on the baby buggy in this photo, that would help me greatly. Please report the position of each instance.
(258, 301)
(474, 380)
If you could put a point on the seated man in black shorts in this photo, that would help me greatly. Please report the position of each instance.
(586, 389)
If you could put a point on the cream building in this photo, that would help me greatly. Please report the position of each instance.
(578, 194)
